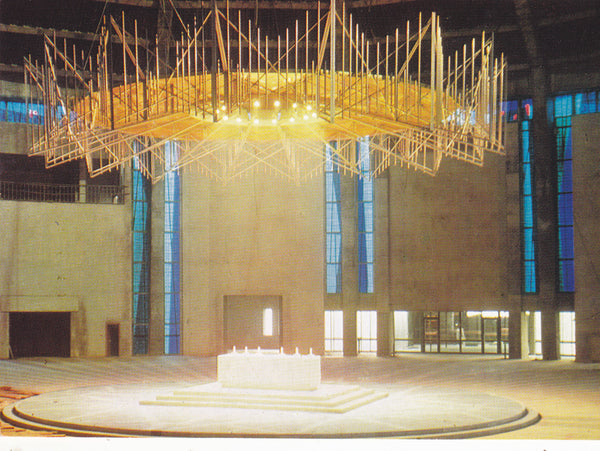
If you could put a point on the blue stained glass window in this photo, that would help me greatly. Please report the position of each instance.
(510, 110)
(22, 112)
(528, 247)
(333, 222)
(527, 107)
(334, 246)
(563, 106)
(560, 111)
(563, 109)
(528, 222)
(586, 102)
(141, 257)
(171, 242)
(365, 219)
(529, 282)
(567, 275)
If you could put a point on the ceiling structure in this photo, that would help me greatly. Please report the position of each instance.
(565, 31)
(410, 97)
(243, 103)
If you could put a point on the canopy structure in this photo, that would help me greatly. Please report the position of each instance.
(243, 102)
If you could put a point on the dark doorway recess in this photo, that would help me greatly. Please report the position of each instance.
(40, 334)
(112, 340)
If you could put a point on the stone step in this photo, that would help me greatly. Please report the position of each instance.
(340, 404)
(323, 393)
(530, 417)
(13, 417)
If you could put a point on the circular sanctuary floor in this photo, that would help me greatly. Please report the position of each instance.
(409, 412)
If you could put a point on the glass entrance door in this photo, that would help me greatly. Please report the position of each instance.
(431, 332)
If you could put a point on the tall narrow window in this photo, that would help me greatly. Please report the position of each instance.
(528, 212)
(334, 331)
(333, 220)
(563, 111)
(560, 112)
(141, 256)
(365, 219)
(567, 334)
(171, 251)
(521, 111)
(366, 331)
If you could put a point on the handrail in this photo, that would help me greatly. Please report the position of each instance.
(51, 192)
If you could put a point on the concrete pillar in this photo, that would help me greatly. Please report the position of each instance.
(384, 333)
(517, 335)
(4, 337)
(550, 335)
(531, 332)
(350, 343)
(82, 182)
(349, 262)
(156, 339)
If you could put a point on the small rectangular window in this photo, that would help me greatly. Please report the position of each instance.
(268, 322)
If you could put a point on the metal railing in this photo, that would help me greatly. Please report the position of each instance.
(50, 192)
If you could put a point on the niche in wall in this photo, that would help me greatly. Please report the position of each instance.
(252, 321)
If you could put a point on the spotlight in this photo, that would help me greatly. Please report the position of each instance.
(292, 119)
(256, 104)
(277, 103)
(223, 108)
(225, 118)
(294, 105)
(239, 119)
(274, 121)
(305, 117)
(314, 115)
(255, 121)
(308, 107)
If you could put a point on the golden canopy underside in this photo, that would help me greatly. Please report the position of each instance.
(228, 123)
(288, 139)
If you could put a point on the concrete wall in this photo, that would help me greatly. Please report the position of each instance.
(68, 257)
(448, 237)
(586, 208)
(258, 236)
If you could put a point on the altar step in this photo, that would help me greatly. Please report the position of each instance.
(326, 398)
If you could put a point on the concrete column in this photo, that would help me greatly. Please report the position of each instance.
(349, 262)
(586, 139)
(531, 332)
(350, 343)
(156, 340)
(4, 337)
(384, 333)
(517, 335)
(82, 182)
(550, 335)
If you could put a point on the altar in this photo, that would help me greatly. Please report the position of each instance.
(269, 369)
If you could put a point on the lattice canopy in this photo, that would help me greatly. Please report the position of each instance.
(242, 102)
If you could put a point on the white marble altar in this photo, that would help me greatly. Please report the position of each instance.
(267, 369)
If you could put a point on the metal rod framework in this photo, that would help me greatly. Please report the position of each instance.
(249, 110)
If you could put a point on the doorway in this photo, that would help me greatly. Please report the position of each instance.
(40, 334)
(112, 340)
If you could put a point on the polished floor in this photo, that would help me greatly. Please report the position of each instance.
(566, 394)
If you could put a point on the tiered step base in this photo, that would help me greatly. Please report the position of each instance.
(327, 398)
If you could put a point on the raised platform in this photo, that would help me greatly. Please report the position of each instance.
(325, 398)
(408, 412)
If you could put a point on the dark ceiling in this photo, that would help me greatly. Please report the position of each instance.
(562, 35)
